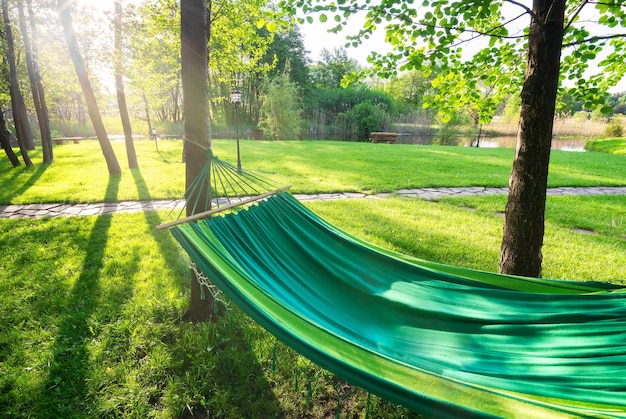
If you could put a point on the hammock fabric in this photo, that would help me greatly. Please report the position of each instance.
(441, 340)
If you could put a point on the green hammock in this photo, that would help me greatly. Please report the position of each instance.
(441, 340)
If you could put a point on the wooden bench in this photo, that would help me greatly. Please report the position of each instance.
(61, 140)
(383, 137)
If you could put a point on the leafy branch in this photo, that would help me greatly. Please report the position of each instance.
(594, 39)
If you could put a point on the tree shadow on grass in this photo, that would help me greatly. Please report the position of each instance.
(7, 191)
(65, 392)
(234, 386)
(166, 243)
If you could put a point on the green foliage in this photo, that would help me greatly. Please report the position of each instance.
(588, 48)
(618, 102)
(602, 114)
(614, 128)
(511, 109)
(153, 64)
(478, 86)
(333, 66)
(448, 132)
(339, 100)
(281, 112)
(431, 36)
(237, 48)
(288, 52)
(409, 89)
(567, 105)
(367, 117)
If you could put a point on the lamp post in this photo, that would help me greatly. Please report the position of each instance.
(235, 99)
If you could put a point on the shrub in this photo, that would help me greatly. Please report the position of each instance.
(449, 131)
(281, 110)
(614, 128)
(368, 117)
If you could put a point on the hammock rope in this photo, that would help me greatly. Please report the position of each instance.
(230, 187)
(444, 341)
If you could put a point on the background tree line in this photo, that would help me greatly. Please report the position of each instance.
(285, 92)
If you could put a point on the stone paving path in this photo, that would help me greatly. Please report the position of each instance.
(67, 210)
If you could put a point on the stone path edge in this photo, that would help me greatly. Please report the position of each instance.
(98, 208)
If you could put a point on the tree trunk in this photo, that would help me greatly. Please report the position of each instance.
(5, 140)
(151, 134)
(20, 116)
(525, 210)
(85, 84)
(119, 87)
(39, 98)
(197, 123)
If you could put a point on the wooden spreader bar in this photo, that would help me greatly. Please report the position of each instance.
(204, 214)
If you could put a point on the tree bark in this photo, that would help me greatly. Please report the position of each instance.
(39, 98)
(525, 210)
(20, 116)
(119, 87)
(85, 84)
(197, 123)
(5, 141)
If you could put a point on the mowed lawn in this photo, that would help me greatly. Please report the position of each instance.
(79, 173)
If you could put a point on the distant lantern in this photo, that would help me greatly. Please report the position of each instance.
(235, 98)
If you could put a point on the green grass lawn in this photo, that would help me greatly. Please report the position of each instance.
(79, 172)
(611, 145)
(92, 309)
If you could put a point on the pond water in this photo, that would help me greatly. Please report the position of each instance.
(565, 144)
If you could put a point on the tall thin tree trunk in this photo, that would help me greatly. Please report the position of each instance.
(20, 116)
(525, 210)
(151, 135)
(197, 123)
(39, 97)
(5, 140)
(119, 87)
(85, 84)
(80, 110)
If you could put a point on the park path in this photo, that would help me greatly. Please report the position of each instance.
(68, 210)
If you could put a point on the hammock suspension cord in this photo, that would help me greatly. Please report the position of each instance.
(229, 186)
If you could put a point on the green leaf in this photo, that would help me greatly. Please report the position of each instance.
(323, 18)
(271, 27)
(606, 110)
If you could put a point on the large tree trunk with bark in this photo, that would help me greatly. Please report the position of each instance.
(5, 141)
(119, 87)
(85, 84)
(20, 116)
(39, 98)
(197, 123)
(522, 240)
